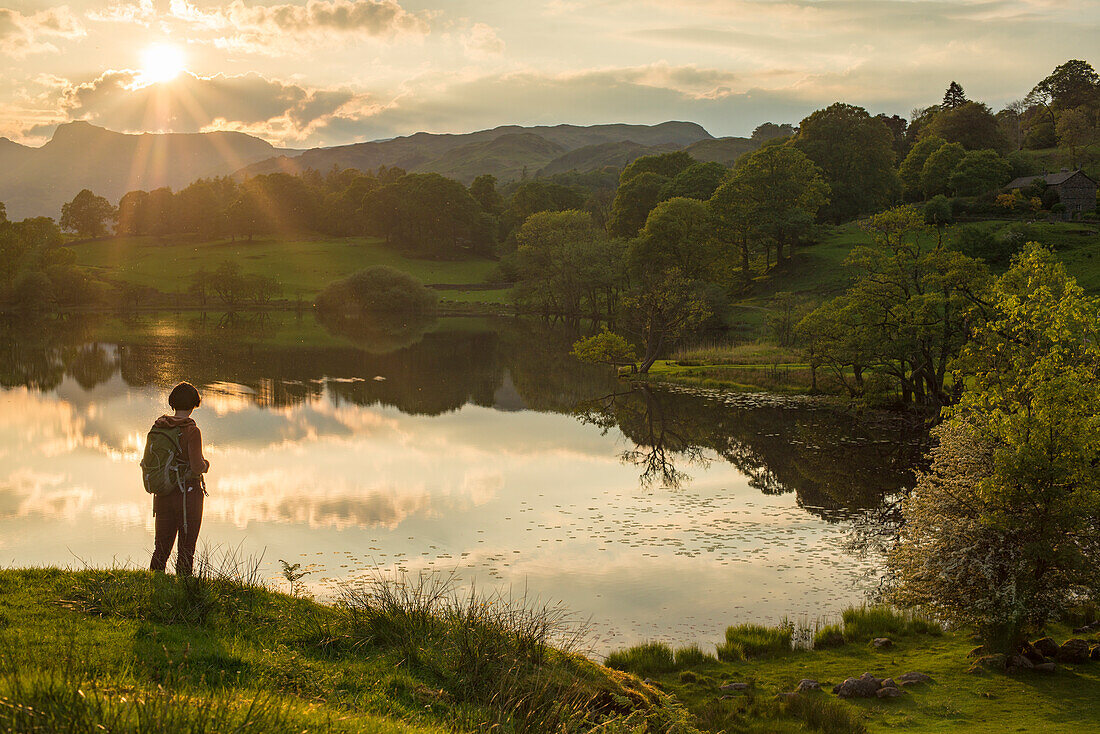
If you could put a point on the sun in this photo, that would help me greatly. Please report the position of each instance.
(161, 62)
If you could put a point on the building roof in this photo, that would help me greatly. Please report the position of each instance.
(1052, 179)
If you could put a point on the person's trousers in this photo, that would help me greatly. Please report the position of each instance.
(170, 526)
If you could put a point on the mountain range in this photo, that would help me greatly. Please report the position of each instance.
(37, 181)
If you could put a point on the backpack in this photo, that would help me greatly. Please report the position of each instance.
(163, 469)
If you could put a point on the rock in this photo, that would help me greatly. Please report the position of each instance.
(977, 652)
(1019, 662)
(889, 683)
(1086, 627)
(733, 687)
(888, 692)
(869, 677)
(1045, 668)
(808, 685)
(988, 662)
(912, 678)
(1031, 653)
(881, 643)
(1046, 647)
(1075, 650)
(1094, 653)
(857, 688)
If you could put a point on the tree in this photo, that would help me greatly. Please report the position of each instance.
(1076, 131)
(634, 199)
(532, 197)
(697, 181)
(935, 175)
(909, 310)
(856, 155)
(667, 165)
(972, 124)
(954, 96)
(484, 191)
(132, 213)
(87, 215)
(770, 131)
(785, 189)
(678, 234)
(1003, 532)
(660, 308)
(607, 347)
(898, 128)
(1010, 121)
(979, 171)
(1072, 84)
(910, 170)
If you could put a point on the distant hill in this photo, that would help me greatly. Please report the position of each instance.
(503, 151)
(602, 155)
(37, 181)
(722, 150)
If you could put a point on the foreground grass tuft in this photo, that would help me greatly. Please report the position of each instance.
(746, 641)
(862, 624)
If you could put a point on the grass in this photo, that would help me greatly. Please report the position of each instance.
(1067, 700)
(747, 641)
(132, 651)
(303, 266)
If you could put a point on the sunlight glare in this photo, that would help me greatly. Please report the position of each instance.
(161, 62)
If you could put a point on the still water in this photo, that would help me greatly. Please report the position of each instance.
(469, 446)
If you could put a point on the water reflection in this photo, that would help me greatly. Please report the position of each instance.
(483, 446)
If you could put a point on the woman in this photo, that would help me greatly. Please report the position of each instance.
(181, 512)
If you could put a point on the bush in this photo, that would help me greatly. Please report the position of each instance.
(862, 624)
(647, 659)
(831, 635)
(753, 640)
(379, 289)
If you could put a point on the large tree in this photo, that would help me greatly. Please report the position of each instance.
(971, 124)
(1003, 532)
(910, 169)
(856, 153)
(979, 171)
(87, 214)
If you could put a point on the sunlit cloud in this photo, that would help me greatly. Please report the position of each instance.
(21, 34)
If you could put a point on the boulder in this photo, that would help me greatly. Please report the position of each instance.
(808, 685)
(869, 677)
(889, 692)
(881, 643)
(857, 688)
(1045, 668)
(908, 679)
(1075, 650)
(889, 683)
(989, 662)
(1094, 653)
(1046, 647)
(1019, 662)
(1030, 652)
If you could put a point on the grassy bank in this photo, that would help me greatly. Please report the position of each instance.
(130, 651)
(955, 700)
(302, 265)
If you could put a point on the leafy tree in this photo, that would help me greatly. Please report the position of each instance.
(678, 234)
(979, 171)
(697, 181)
(532, 197)
(1076, 130)
(937, 211)
(898, 128)
(935, 175)
(87, 215)
(856, 155)
(634, 199)
(954, 96)
(229, 283)
(663, 164)
(607, 347)
(783, 190)
(972, 124)
(1010, 121)
(770, 131)
(660, 308)
(1003, 532)
(132, 209)
(484, 191)
(910, 170)
(1072, 84)
(909, 309)
(376, 290)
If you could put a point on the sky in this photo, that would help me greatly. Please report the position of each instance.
(305, 73)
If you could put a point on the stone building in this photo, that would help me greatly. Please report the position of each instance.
(1075, 190)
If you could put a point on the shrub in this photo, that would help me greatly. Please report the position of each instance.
(753, 640)
(864, 623)
(647, 659)
(379, 289)
(831, 635)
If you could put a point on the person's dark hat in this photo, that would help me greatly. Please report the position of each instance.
(184, 396)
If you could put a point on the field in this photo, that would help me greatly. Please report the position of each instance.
(303, 266)
(955, 700)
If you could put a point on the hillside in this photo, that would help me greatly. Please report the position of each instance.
(37, 181)
(721, 150)
(498, 151)
(601, 155)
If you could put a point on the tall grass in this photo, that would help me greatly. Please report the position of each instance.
(754, 640)
(864, 623)
(647, 659)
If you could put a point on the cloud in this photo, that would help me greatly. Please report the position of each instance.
(481, 41)
(280, 110)
(26, 34)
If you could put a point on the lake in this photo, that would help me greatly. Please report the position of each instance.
(468, 446)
